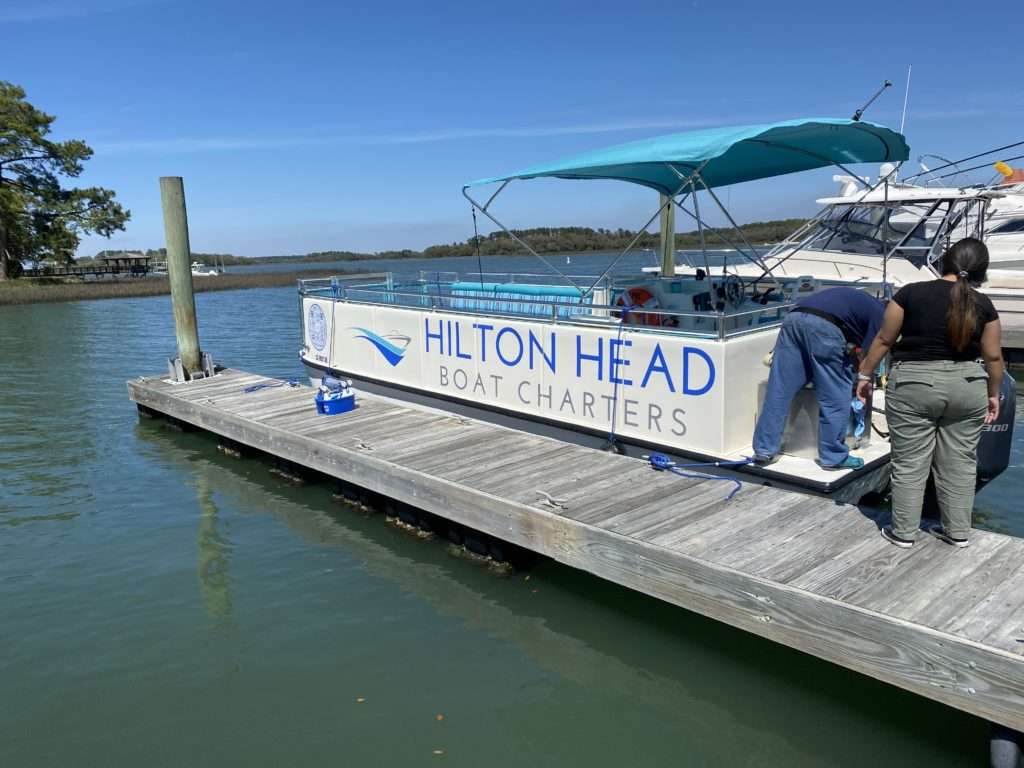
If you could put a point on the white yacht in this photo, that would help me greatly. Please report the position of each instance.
(887, 234)
(639, 362)
(201, 270)
(1004, 229)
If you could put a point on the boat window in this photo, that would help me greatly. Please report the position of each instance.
(851, 229)
(876, 229)
(1016, 225)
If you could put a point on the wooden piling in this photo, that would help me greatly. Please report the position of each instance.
(179, 272)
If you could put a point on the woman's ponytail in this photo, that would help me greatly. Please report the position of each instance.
(968, 260)
(962, 318)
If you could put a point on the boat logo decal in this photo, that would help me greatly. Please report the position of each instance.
(392, 346)
(317, 327)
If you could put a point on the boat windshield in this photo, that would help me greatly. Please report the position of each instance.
(908, 229)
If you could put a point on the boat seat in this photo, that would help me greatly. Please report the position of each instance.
(519, 299)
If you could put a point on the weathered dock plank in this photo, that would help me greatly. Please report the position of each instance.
(807, 573)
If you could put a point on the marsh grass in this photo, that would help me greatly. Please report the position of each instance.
(43, 289)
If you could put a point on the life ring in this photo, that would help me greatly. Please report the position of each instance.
(637, 299)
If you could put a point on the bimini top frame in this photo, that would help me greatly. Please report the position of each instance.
(676, 164)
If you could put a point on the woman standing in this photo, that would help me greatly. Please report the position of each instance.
(938, 395)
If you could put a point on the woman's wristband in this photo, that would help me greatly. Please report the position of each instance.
(863, 377)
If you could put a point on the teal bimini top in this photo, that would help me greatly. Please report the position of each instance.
(732, 155)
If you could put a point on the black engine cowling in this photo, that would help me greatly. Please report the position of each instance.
(997, 438)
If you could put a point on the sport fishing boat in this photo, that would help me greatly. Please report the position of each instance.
(1004, 216)
(887, 234)
(635, 362)
(201, 270)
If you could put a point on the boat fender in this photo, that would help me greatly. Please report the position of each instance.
(1005, 747)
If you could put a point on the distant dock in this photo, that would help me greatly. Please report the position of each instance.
(802, 571)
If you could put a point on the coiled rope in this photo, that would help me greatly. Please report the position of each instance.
(661, 462)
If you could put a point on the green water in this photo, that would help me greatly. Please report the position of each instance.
(162, 604)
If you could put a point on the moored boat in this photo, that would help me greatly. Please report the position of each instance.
(642, 362)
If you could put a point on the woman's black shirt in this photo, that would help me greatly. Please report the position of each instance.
(925, 310)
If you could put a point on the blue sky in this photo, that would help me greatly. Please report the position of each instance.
(342, 125)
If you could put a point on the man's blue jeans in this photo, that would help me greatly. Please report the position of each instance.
(809, 348)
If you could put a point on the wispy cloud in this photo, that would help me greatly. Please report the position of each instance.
(930, 114)
(184, 146)
(228, 144)
(45, 10)
(542, 131)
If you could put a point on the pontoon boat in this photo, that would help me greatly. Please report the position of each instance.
(642, 363)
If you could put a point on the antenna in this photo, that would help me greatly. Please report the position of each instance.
(906, 96)
(859, 112)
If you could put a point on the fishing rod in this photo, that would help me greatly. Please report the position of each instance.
(859, 112)
(976, 167)
(965, 159)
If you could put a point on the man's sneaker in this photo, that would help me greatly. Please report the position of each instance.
(850, 462)
(940, 533)
(892, 538)
(764, 461)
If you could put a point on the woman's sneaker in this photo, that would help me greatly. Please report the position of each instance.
(892, 538)
(940, 533)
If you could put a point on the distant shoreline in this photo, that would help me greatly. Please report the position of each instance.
(545, 240)
(48, 290)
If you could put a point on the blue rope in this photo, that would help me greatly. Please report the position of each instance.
(268, 385)
(661, 462)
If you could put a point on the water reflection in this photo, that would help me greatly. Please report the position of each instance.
(23, 519)
(199, 594)
(623, 649)
(214, 552)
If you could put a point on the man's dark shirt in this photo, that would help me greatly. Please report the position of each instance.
(858, 310)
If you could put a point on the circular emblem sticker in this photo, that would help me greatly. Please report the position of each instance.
(317, 327)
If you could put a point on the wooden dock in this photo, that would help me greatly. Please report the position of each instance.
(945, 623)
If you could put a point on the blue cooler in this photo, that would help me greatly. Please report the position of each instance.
(335, 396)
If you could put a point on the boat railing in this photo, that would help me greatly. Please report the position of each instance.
(531, 278)
(590, 310)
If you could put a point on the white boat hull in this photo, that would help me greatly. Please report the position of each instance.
(687, 396)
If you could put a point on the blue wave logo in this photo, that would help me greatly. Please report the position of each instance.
(392, 346)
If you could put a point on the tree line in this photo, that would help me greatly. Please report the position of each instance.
(540, 239)
(41, 219)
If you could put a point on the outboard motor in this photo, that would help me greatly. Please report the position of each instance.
(997, 437)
